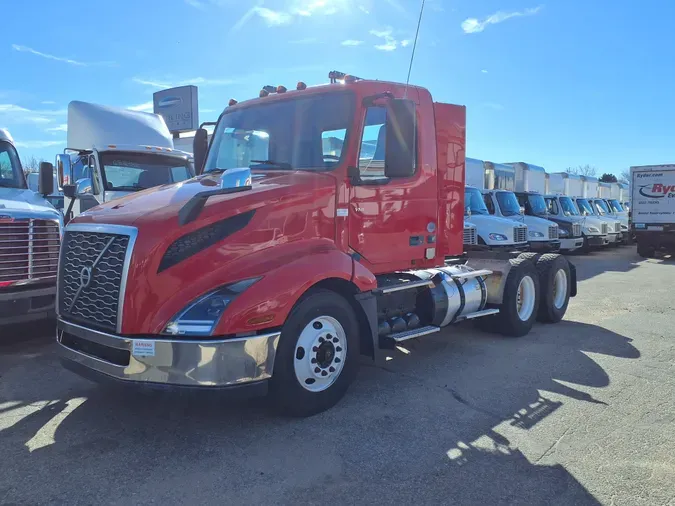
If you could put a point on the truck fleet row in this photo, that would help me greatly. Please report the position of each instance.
(282, 261)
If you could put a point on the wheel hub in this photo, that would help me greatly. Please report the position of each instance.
(320, 353)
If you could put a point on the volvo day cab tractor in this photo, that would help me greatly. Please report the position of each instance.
(542, 234)
(653, 208)
(275, 272)
(113, 152)
(30, 235)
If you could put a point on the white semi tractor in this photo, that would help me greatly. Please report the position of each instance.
(112, 152)
(30, 237)
(499, 183)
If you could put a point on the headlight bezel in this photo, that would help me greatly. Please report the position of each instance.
(535, 234)
(495, 236)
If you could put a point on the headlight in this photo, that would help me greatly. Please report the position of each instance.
(593, 230)
(201, 316)
(562, 232)
(498, 237)
(624, 227)
(535, 234)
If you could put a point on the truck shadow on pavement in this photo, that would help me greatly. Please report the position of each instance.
(623, 259)
(428, 428)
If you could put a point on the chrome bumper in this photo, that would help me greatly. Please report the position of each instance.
(27, 305)
(571, 244)
(217, 363)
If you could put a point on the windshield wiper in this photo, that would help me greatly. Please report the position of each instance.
(8, 185)
(271, 164)
(127, 188)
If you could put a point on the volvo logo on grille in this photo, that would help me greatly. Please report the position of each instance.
(85, 277)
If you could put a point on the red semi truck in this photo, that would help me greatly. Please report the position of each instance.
(325, 223)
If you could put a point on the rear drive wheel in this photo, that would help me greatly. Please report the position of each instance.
(317, 357)
(520, 302)
(555, 284)
(646, 250)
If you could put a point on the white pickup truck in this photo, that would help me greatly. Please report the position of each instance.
(30, 237)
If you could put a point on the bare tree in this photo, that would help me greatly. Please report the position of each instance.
(31, 164)
(625, 176)
(582, 170)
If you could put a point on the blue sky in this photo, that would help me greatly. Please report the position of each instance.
(559, 83)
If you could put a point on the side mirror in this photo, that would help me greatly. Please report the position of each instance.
(64, 170)
(83, 187)
(200, 146)
(522, 210)
(46, 181)
(400, 141)
(467, 211)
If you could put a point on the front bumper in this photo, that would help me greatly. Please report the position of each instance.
(571, 244)
(614, 237)
(597, 240)
(545, 246)
(23, 305)
(162, 362)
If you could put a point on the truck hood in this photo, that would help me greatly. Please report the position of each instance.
(161, 204)
(25, 203)
(488, 223)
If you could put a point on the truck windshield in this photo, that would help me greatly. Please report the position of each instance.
(585, 208)
(508, 203)
(601, 207)
(299, 133)
(615, 205)
(537, 204)
(473, 200)
(568, 207)
(11, 175)
(128, 171)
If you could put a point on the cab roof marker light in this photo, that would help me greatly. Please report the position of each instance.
(270, 89)
(281, 89)
(112, 146)
(263, 93)
(301, 86)
(232, 102)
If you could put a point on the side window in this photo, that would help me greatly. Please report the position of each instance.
(371, 154)
(332, 142)
(6, 171)
(179, 174)
(552, 206)
(487, 198)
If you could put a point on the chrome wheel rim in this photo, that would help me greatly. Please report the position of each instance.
(559, 289)
(320, 354)
(525, 298)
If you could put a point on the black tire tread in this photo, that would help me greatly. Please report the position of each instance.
(547, 313)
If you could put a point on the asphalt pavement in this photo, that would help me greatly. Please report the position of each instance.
(581, 412)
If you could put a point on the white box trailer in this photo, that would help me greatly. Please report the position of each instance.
(474, 173)
(653, 208)
(499, 176)
(529, 177)
(605, 190)
(589, 187)
(563, 183)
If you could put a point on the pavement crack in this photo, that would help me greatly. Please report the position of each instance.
(553, 447)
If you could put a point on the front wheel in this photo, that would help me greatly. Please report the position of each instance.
(646, 250)
(317, 356)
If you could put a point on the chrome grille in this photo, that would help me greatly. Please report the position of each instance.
(470, 235)
(29, 250)
(90, 277)
(604, 228)
(617, 227)
(519, 234)
(552, 232)
(576, 230)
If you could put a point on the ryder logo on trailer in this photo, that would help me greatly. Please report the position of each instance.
(657, 190)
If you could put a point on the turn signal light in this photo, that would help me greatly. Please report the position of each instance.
(301, 86)
(281, 89)
(232, 102)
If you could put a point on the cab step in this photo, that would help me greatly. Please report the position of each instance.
(478, 314)
(413, 333)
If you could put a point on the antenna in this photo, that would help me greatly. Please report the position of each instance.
(412, 56)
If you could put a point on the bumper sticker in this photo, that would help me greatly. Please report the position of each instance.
(142, 348)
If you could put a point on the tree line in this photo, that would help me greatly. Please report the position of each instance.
(590, 171)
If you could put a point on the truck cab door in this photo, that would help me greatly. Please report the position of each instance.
(393, 207)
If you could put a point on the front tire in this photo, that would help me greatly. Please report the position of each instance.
(646, 250)
(317, 356)
(555, 284)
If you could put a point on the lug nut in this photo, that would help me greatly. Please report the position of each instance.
(317, 325)
(317, 370)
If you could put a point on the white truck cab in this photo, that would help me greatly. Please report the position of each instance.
(609, 210)
(30, 237)
(493, 231)
(113, 152)
(576, 232)
(607, 227)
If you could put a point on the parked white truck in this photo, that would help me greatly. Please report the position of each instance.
(653, 208)
(493, 232)
(607, 226)
(30, 237)
(499, 181)
(113, 152)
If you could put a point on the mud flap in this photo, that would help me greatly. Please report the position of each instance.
(368, 303)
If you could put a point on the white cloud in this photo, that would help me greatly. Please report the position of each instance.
(363, 9)
(351, 42)
(405, 43)
(473, 25)
(484, 71)
(196, 81)
(144, 107)
(48, 102)
(63, 127)
(26, 49)
(16, 114)
(296, 9)
(390, 43)
(38, 144)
